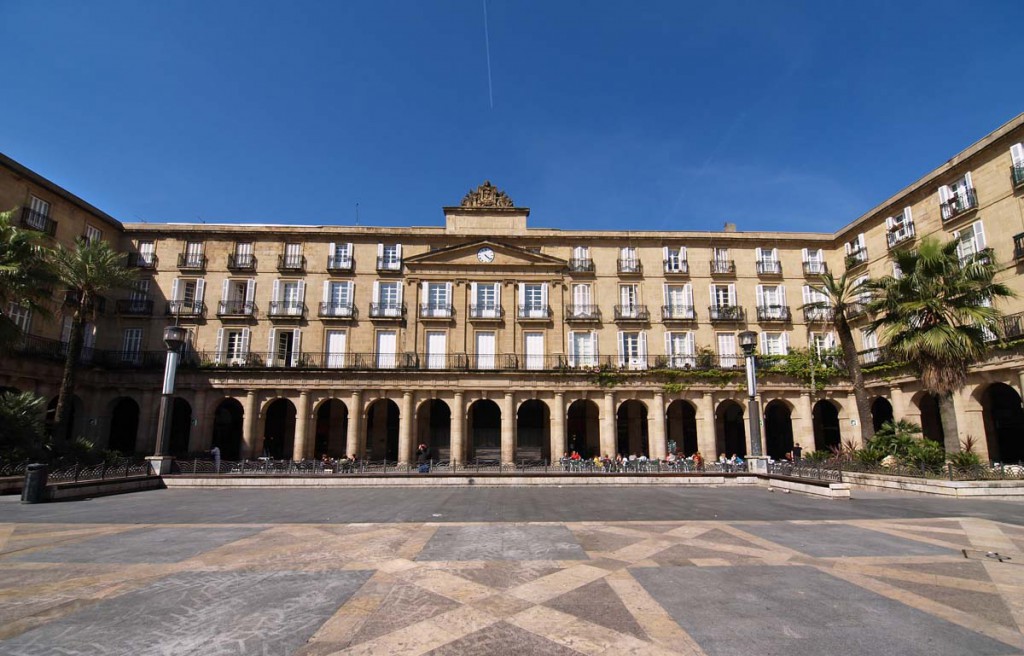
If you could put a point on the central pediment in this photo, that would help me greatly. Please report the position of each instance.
(486, 257)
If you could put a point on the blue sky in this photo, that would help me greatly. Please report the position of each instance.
(654, 115)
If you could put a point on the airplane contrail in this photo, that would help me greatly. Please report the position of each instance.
(487, 47)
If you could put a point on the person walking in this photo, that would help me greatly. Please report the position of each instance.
(423, 459)
(215, 452)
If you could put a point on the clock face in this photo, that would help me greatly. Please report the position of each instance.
(485, 255)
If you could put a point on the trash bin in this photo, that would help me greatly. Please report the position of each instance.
(34, 490)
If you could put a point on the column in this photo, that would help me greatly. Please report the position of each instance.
(656, 427)
(508, 428)
(608, 426)
(301, 441)
(353, 443)
(896, 398)
(557, 427)
(405, 421)
(458, 445)
(803, 431)
(706, 442)
(250, 449)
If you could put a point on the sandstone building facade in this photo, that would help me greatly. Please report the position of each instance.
(489, 339)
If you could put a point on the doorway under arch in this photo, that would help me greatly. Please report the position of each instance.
(631, 437)
(881, 412)
(124, 425)
(434, 428)
(583, 429)
(931, 418)
(382, 422)
(681, 427)
(730, 433)
(778, 429)
(279, 429)
(181, 428)
(227, 429)
(533, 437)
(484, 431)
(331, 429)
(1004, 423)
(825, 416)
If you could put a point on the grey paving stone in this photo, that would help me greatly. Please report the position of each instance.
(145, 545)
(502, 543)
(835, 540)
(208, 613)
(800, 611)
(503, 639)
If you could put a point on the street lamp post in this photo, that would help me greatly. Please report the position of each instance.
(174, 337)
(748, 341)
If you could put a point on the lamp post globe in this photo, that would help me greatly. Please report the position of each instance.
(174, 337)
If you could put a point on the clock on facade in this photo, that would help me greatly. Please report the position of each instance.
(485, 255)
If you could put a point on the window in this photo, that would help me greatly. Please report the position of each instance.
(92, 234)
(675, 259)
(897, 272)
(767, 260)
(581, 259)
(339, 256)
(131, 345)
(38, 215)
(957, 197)
(292, 257)
(678, 302)
(1017, 159)
(284, 347)
(633, 350)
(533, 346)
(869, 340)
(771, 303)
(192, 258)
(243, 257)
(20, 316)
(720, 262)
(820, 343)
(814, 261)
(387, 349)
(387, 296)
(337, 298)
(582, 349)
(814, 296)
(774, 343)
(899, 228)
(972, 241)
(727, 356)
(582, 304)
(681, 350)
(533, 300)
(629, 301)
(856, 251)
(486, 303)
(237, 296)
(437, 298)
(864, 296)
(437, 349)
(485, 350)
(289, 298)
(187, 295)
(389, 257)
(147, 254)
(335, 343)
(628, 260)
(723, 296)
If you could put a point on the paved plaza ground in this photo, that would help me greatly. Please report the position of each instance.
(606, 570)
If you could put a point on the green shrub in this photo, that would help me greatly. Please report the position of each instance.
(24, 433)
(818, 456)
(928, 454)
(965, 459)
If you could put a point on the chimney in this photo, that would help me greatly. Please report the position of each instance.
(730, 227)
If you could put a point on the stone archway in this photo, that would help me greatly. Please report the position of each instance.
(382, 422)
(682, 427)
(931, 419)
(228, 420)
(331, 431)
(881, 412)
(1004, 423)
(583, 429)
(76, 419)
(631, 433)
(778, 429)
(434, 428)
(279, 429)
(124, 425)
(825, 418)
(484, 431)
(730, 432)
(181, 428)
(533, 432)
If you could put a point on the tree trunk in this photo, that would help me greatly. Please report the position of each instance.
(950, 429)
(860, 395)
(67, 382)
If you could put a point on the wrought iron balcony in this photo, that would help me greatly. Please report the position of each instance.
(679, 267)
(960, 204)
(819, 314)
(140, 261)
(815, 268)
(632, 313)
(582, 312)
(286, 310)
(769, 268)
(900, 235)
(629, 266)
(38, 221)
(138, 307)
(857, 310)
(724, 313)
(191, 261)
(291, 262)
(767, 313)
(236, 308)
(486, 312)
(332, 310)
(856, 258)
(1017, 175)
(339, 264)
(388, 265)
(581, 265)
(678, 313)
(723, 267)
(98, 304)
(186, 308)
(436, 311)
(534, 312)
(1013, 325)
(387, 310)
(241, 262)
(1018, 247)
(984, 256)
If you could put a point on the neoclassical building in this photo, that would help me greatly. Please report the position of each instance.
(486, 338)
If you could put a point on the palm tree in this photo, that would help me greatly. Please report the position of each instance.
(25, 275)
(937, 316)
(842, 300)
(88, 270)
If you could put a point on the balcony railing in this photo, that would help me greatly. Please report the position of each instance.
(387, 264)
(856, 258)
(766, 313)
(235, 308)
(38, 221)
(534, 312)
(959, 204)
(582, 312)
(857, 309)
(1018, 247)
(436, 311)
(984, 256)
(286, 310)
(291, 262)
(186, 308)
(899, 235)
(191, 261)
(678, 313)
(723, 267)
(818, 315)
(872, 356)
(387, 310)
(726, 313)
(138, 307)
(140, 261)
(632, 313)
(335, 263)
(486, 311)
(1013, 325)
(98, 304)
(1017, 175)
(680, 267)
(241, 262)
(581, 265)
(629, 266)
(769, 268)
(815, 268)
(332, 310)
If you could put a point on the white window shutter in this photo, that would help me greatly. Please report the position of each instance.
(302, 292)
(760, 296)
(175, 289)
(218, 353)
(277, 291)
(682, 253)
(296, 346)
(376, 292)
(245, 341)
(596, 343)
(544, 295)
(775, 254)
(714, 299)
(331, 250)
(690, 344)
(522, 294)
(807, 294)
(448, 294)
(785, 343)
(860, 241)
(757, 253)
(643, 344)
(849, 248)
(472, 293)
(889, 223)
(250, 291)
(380, 250)
(398, 251)
(668, 296)
(1017, 154)
(401, 293)
(979, 236)
(270, 347)
(944, 194)
(764, 343)
(327, 291)
(967, 180)
(200, 290)
(497, 294)
(908, 216)
(224, 289)
(664, 251)
(804, 253)
(668, 344)
(622, 355)
(782, 295)
(732, 294)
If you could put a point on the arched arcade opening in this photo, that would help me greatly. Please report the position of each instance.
(434, 428)
(279, 429)
(382, 420)
(778, 429)
(583, 429)
(331, 432)
(533, 437)
(730, 432)
(681, 428)
(631, 437)
(931, 418)
(1004, 423)
(227, 429)
(825, 419)
(881, 412)
(484, 431)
